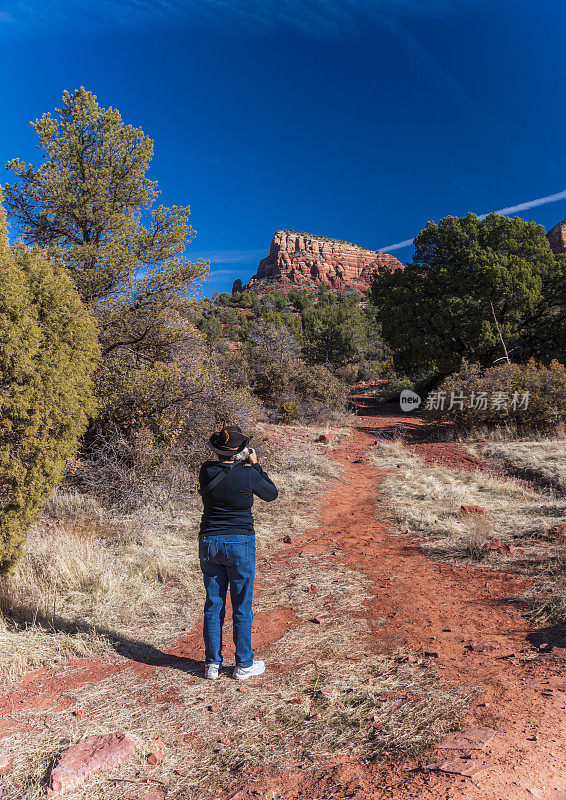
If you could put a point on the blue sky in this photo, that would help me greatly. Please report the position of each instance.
(359, 119)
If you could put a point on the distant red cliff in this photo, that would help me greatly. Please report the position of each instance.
(307, 260)
(557, 237)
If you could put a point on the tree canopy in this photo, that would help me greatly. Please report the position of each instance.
(90, 204)
(469, 276)
(48, 353)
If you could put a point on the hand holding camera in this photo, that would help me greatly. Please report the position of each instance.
(252, 457)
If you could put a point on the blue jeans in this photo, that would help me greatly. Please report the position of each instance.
(228, 560)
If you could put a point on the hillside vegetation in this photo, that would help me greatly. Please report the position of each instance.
(295, 350)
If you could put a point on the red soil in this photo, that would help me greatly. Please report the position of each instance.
(429, 605)
(444, 608)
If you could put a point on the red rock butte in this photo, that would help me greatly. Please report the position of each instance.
(307, 260)
(557, 237)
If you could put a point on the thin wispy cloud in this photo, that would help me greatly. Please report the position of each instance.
(218, 274)
(540, 201)
(311, 18)
(228, 256)
(396, 246)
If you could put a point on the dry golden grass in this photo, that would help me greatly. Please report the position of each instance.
(543, 460)
(426, 500)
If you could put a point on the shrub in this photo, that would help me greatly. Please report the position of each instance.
(155, 419)
(395, 385)
(289, 412)
(373, 369)
(529, 396)
(317, 384)
(48, 352)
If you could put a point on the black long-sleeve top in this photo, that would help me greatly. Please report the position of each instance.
(227, 507)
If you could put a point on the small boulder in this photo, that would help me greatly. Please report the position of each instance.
(91, 754)
(503, 548)
(469, 739)
(326, 438)
(288, 540)
(472, 510)
(156, 757)
(5, 764)
(461, 766)
(558, 532)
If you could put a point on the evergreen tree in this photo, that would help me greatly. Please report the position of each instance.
(88, 202)
(48, 352)
(469, 277)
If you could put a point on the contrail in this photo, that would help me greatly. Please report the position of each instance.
(541, 201)
(398, 246)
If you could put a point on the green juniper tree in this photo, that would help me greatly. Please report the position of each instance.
(469, 276)
(48, 352)
(334, 331)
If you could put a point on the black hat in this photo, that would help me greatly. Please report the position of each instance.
(229, 441)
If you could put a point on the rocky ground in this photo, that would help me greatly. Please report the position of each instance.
(399, 606)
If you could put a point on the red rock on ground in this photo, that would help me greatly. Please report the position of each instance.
(155, 758)
(461, 766)
(482, 647)
(472, 510)
(470, 739)
(500, 547)
(5, 765)
(88, 756)
(154, 794)
(558, 531)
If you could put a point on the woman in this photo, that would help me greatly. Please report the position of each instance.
(227, 546)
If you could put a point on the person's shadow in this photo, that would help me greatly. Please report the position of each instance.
(141, 652)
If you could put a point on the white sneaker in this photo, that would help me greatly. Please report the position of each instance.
(241, 673)
(211, 671)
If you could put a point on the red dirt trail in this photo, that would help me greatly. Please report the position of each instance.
(428, 605)
(442, 608)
